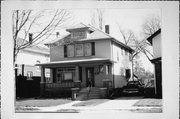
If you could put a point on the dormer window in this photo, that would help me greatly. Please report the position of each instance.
(78, 35)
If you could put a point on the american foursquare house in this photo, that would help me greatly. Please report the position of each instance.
(86, 55)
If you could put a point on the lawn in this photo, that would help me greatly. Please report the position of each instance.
(149, 102)
(32, 105)
(151, 110)
(41, 102)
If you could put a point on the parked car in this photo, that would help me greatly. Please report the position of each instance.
(133, 87)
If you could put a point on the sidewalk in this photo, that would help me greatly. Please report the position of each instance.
(107, 106)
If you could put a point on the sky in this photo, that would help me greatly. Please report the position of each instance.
(127, 19)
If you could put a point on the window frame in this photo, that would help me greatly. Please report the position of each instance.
(73, 50)
(83, 54)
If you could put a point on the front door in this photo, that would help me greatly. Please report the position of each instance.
(90, 76)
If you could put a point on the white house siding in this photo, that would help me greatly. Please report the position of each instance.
(156, 42)
(56, 53)
(122, 63)
(102, 50)
(30, 58)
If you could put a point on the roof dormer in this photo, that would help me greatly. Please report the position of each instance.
(80, 31)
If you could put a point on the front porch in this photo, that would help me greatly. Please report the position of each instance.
(67, 75)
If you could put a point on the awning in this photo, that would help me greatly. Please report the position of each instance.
(74, 62)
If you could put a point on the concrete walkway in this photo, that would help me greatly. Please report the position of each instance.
(121, 105)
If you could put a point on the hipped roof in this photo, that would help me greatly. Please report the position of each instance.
(96, 34)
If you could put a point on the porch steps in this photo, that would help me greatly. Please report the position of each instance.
(85, 93)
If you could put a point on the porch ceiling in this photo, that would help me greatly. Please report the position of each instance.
(75, 62)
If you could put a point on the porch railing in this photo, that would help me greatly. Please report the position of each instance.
(59, 85)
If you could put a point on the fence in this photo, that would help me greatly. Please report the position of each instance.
(27, 88)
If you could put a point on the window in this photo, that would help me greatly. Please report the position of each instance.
(65, 74)
(130, 57)
(78, 35)
(126, 52)
(122, 51)
(108, 69)
(38, 67)
(79, 50)
(59, 77)
(68, 76)
(128, 73)
(87, 49)
(29, 75)
(117, 56)
(101, 68)
(70, 50)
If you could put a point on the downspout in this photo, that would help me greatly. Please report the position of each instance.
(112, 63)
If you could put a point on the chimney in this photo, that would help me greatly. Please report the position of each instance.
(30, 37)
(57, 34)
(107, 29)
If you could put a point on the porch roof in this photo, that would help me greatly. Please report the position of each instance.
(76, 61)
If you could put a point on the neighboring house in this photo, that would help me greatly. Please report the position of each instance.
(155, 41)
(28, 57)
(87, 55)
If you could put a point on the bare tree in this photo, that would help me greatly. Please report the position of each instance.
(151, 25)
(128, 36)
(33, 27)
(97, 18)
(131, 40)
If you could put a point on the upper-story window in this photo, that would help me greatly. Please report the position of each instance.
(122, 51)
(126, 52)
(81, 49)
(70, 50)
(87, 49)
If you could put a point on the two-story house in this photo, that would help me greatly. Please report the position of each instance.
(155, 40)
(87, 54)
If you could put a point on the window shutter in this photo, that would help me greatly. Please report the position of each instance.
(93, 48)
(65, 51)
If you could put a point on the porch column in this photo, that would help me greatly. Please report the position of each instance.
(42, 83)
(77, 81)
(77, 73)
(42, 75)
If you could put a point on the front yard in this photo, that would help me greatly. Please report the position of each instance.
(32, 105)
(67, 105)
